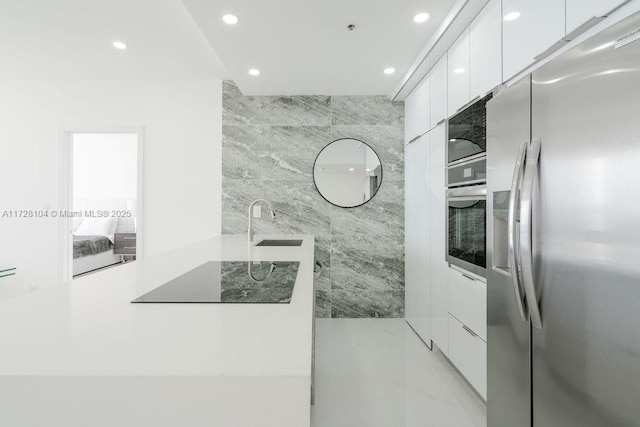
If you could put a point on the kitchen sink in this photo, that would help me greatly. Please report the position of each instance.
(280, 242)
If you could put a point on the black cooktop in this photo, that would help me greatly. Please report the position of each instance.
(229, 282)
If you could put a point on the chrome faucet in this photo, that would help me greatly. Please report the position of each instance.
(250, 232)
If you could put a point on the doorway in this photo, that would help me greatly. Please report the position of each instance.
(102, 194)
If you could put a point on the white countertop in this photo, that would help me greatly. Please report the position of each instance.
(88, 327)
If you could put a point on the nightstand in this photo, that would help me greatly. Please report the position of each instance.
(125, 245)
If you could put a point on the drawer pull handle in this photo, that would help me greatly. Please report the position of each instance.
(129, 238)
(469, 277)
(473, 334)
(129, 247)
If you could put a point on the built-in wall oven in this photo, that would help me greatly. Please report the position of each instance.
(466, 230)
(466, 188)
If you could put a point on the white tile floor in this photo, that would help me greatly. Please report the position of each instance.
(377, 372)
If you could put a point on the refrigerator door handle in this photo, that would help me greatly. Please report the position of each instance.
(514, 249)
(526, 227)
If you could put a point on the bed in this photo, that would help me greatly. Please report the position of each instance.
(93, 243)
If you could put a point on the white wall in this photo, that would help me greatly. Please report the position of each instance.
(105, 166)
(182, 160)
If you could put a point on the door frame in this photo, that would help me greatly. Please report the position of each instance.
(65, 199)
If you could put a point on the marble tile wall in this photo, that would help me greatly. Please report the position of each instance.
(269, 145)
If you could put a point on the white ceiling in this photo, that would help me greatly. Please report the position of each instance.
(303, 47)
(71, 39)
(300, 46)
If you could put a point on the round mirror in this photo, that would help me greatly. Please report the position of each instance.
(347, 173)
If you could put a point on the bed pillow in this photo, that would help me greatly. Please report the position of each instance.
(97, 227)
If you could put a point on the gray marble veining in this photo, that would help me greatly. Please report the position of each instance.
(255, 152)
(269, 147)
(273, 110)
(366, 110)
(323, 303)
(299, 208)
(323, 255)
(366, 304)
(382, 216)
(367, 262)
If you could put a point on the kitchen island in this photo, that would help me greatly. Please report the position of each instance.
(81, 354)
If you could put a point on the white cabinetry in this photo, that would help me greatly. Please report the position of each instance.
(416, 111)
(423, 230)
(468, 300)
(458, 73)
(485, 39)
(417, 237)
(438, 265)
(439, 91)
(580, 11)
(468, 327)
(411, 236)
(469, 353)
(530, 28)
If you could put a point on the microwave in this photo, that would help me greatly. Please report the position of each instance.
(467, 132)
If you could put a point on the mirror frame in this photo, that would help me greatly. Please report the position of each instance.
(320, 192)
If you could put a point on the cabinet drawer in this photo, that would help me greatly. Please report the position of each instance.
(468, 352)
(468, 301)
(125, 244)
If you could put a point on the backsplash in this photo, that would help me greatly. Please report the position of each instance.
(269, 145)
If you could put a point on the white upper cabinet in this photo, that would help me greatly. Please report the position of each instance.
(528, 29)
(439, 91)
(458, 73)
(580, 11)
(485, 37)
(416, 111)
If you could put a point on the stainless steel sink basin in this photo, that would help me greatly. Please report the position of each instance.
(283, 242)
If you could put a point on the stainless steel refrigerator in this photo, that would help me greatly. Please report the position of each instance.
(563, 241)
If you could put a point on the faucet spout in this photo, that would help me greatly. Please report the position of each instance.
(250, 232)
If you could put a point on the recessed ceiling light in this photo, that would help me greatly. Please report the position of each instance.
(389, 70)
(230, 19)
(421, 17)
(254, 72)
(351, 169)
(511, 16)
(119, 45)
(459, 70)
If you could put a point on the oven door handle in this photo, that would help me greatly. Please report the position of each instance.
(478, 192)
(526, 230)
(514, 248)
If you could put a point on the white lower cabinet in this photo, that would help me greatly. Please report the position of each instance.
(468, 327)
(423, 230)
(438, 264)
(468, 352)
(468, 300)
(411, 238)
(417, 238)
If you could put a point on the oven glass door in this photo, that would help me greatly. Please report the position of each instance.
(467, 242)
(468, 131)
